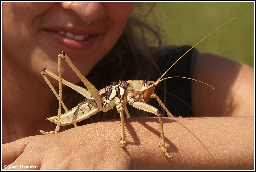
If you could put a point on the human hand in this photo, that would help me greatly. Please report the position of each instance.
(195, 143)
(84, 147)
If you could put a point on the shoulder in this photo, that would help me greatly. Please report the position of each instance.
(233, 84)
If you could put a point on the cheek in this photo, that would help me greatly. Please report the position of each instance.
(19, 32)
(20, 12)
(18, 24)
(118, 14)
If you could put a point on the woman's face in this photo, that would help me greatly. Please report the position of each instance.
(35, 33)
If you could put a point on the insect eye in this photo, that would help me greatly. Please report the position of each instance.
(150, 83)
(124, 84)
(114, 83)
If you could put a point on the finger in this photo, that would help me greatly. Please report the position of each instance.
(11, 151)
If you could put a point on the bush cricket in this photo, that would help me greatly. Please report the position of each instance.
(132, 92)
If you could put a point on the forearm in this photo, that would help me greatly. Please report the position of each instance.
(194, 143)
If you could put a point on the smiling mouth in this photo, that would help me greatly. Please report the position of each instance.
(73, 36)
(74, 41)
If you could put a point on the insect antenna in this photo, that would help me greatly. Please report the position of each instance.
(160, 79)
(183, 77)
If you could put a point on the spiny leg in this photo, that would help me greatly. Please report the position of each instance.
(94, 92)
(59, 97)
(123, 137)
(60, 94)
(58, 77)
(163, 147)
(127, 112)
(162, 105)
(148, 108)
(120, 108)
(44, 72)
(78, 89)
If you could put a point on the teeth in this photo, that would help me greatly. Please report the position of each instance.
(73, 36)
(62, 32)
(70, 35)
(79, 37)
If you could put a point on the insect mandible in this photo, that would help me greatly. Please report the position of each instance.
(133, 92)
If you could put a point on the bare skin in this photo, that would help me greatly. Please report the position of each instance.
(196, 143)
(233, 82)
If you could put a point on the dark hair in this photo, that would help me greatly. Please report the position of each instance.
(130, 59)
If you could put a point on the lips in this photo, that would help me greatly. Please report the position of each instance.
(73, 40)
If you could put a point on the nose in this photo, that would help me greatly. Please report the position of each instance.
(87, 11)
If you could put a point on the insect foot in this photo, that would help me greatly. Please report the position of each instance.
(50, 132)
(166, 153)
(122, 143)
(47, 132)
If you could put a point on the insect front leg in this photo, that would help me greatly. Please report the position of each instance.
(148, 108)
(162, 105)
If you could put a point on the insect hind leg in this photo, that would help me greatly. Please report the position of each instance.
(91, 88)
(59, 96)
(44, 73)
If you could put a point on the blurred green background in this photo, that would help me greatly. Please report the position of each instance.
(189, 22)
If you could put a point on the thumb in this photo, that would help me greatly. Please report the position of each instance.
(11, 151)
